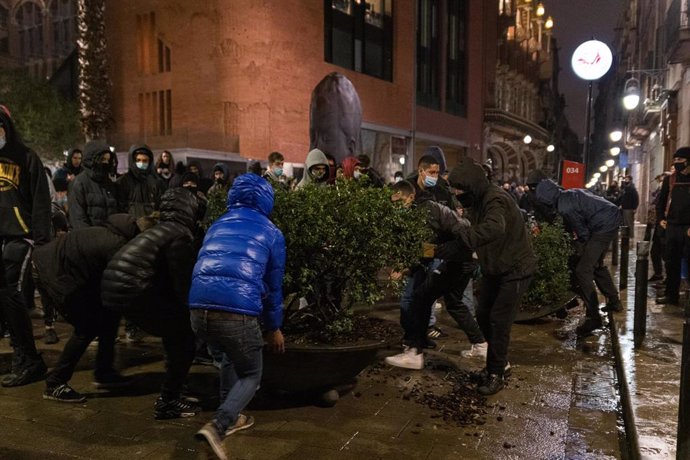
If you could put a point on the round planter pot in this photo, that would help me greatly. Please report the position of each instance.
(524, 314)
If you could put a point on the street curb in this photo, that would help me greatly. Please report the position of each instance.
(632, 446)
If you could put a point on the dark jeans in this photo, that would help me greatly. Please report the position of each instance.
(239, 338)
(14, 267)
(90, 320)
(677, 247)
(163, 317)
(499, 301)
(448, 280)
(590, 269)
(657, 250)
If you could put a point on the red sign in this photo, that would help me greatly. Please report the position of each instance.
(573, 175)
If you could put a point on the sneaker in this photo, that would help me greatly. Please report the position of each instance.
(408, 359)
(492, 385)
(655, 277)
(435, 332)
(64, 393)
(477, 350)
(243, 422)
(481, 377)
(614, 306)
(176, 408)
(589, 326)
(50, 337)
(112, 381)
(26, 374)
(209, 434)
(667, 300)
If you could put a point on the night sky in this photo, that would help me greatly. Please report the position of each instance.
(576, 21)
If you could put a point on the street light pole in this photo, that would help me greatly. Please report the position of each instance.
(588, 124)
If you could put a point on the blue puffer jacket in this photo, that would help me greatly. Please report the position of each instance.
(584, 212)
(241, 264)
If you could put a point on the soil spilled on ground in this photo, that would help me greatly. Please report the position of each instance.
(354, 330)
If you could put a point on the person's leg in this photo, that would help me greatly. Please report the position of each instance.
(602, 276)
(584, 272)
(674, 248)
(629, 221)
(655, 254)
(69, 358)
(459, 310)
(488, 292)
(179, 354)
(109, 324)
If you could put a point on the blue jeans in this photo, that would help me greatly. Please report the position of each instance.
(239, 338)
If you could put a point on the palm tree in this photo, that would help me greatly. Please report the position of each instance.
(94, 84)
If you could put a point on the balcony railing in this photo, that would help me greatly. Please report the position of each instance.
(678, 32)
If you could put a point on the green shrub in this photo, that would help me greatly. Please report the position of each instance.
(551, 281)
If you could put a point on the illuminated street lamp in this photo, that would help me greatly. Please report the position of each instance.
(550, 148)
(402, 160)
(616, 135)
(603, 168)
(540, 9)
(614, 151)
(527, 139)
(549, 23)
(610, 163)
(631, 94)
(596, 175)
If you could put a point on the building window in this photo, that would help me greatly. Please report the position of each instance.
(4, 43)
(428, 62)
(163, 57)
(456, 76)
(155, 113)
(359, 36)
(63, 16)
(30, 27)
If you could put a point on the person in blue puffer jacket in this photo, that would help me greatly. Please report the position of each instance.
(238, 278)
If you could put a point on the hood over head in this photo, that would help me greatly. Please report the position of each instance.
(436, 152)
(534, 177)
(222, 167)
(683, 152)
(469, 177)
(68, 161)
(133, 151)
(349, 164)
(315, 157)
(14, 147)
(93, 151)
(179, 205)
(198, 166)
(251, 191)
(548, 192)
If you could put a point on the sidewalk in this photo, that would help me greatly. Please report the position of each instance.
(653, 371)
(560, 403)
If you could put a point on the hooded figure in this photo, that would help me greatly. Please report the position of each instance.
(350, 168)
(93, 195)
(335, 117)
(436, 152)
(69, 167)
(205, 183)
(139, 192)
(315, 169)
(238, 278)
(220, 183)
(594, 221)
(25, 214)
(148, 280)
(499, 237)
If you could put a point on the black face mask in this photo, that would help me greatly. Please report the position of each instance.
(192, 189)
(679, 167)
(466, 199)
(101, 171)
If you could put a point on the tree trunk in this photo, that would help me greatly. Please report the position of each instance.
(94, 83)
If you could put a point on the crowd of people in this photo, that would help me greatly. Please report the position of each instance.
(101, 248)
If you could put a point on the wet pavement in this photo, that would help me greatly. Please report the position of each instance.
(652, 371)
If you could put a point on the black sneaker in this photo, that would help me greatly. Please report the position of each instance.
(50, 337)
(435, 332)
(64, 393)
(589, 326)
(493, 384)
(615, 306)
(210, 435)
(112, 381)
(481, 377)
(26, 374)
(176, 408)
(667, 300)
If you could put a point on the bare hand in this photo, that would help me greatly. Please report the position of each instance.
(663, 224)
(275, 341)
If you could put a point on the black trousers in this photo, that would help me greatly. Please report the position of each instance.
(90, 320)
(677, 247)
(165, 318)
(590, 269)
(15, 265)
(499, 300)
(657, 250)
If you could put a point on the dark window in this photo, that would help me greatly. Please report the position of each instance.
(456, 77)
(359, 36)
(428, 62)
(163, 57)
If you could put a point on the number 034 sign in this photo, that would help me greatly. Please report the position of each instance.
(573, 175)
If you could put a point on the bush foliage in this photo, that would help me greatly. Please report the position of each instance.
(551, 282)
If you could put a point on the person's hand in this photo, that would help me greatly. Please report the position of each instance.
(663, 224)
(275, 341)
(689, 232)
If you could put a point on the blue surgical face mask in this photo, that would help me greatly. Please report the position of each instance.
(430, 181)
(142, 165)
(278, 171)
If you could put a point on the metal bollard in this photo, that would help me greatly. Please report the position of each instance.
(683, 435)
(614, 250)
(625, 249)
(641, 269)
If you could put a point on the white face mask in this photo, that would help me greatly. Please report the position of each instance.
(357, 174)
(397, 179)
(142, 165)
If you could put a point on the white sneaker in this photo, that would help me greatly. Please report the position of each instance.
(478, 350)
(408, 359)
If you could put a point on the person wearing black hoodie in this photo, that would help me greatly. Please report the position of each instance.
(498, 235)
(148, 283)
(205, 183)
(73, 164)
(93, 196)
(139, 191)
(25, 214)
(68, 272)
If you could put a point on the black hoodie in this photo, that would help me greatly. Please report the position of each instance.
(139, 191)
(68, 163)
(25, 209)
(498, 233)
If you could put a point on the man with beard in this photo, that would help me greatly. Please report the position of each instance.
(139, 192)
(24, 223)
